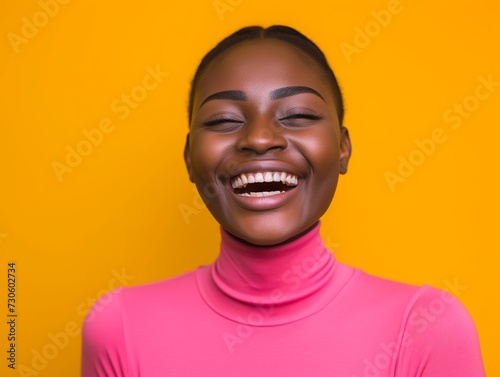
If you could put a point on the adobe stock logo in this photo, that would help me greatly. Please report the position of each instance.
(421, 319)
(455, 116)
(31, 26)
(122, 106)
(209, 192)
(223, 6)
(293, 278)
(364, 36)
(59, 341)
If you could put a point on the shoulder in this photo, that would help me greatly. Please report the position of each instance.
(103, 338)
(369, 293)
(421, 307)
(436, 336)
(439, 336)
(174, 288)
(106, 326)
(115, 305)
(373, 289)
(437, 317)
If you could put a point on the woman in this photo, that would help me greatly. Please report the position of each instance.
(265, 148)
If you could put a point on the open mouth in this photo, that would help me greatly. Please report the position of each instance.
(263, 183)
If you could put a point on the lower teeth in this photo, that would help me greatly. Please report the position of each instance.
(261, 193)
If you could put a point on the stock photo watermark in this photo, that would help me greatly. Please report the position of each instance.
(194, 208)
(209, 191)
(419, 321)
(31, 26)
(59, 341)
(292, 279)
(363, 36)
(454, 116)
(12, 322)
(122, 107)
(223, 6)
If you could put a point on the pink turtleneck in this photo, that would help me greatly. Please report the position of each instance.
(289, 310)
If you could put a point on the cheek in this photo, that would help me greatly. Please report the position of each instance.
(207, 151)
(322, 150)
(323, 153)
(327, 157)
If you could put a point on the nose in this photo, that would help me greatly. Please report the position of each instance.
(261, 136)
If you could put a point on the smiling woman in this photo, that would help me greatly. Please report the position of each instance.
(265, 149)
(264, 107)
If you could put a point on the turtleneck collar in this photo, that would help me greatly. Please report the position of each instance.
(272, 285)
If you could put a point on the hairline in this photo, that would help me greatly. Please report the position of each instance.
(309, 51)
(304, 56)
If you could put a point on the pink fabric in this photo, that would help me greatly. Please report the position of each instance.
(290, 310)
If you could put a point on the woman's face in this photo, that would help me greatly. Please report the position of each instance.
(265, 148)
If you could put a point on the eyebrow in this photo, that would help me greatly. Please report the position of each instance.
(239, 95)
(293, 91)
(234, 95)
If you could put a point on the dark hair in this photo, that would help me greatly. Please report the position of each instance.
(279, 32)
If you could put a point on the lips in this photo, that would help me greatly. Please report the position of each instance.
(265, 183)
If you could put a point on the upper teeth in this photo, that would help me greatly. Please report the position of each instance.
(244, 179)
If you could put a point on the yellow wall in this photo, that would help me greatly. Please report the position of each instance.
(113, 217)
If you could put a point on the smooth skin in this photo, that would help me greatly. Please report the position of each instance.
(265, 106)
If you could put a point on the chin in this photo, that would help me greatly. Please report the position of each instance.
(270, 239)
(267, 232)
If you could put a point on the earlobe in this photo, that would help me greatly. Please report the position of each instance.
(345, 149)
(187, 159)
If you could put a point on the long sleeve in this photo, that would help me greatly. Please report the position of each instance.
(292, 311)
(439, 339)
(103, 339)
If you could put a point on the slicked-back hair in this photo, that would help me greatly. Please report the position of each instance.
(281, 33)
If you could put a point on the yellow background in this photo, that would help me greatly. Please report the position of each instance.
(119, 211)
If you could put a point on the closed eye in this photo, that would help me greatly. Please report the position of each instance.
(217, 121)
(302, 116)
(299, 120)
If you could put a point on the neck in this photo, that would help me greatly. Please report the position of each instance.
(278, 284)
(252, 273)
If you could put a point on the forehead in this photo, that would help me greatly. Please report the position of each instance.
(260, 66)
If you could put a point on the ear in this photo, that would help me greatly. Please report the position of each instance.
(345, 149)
(187, 159)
